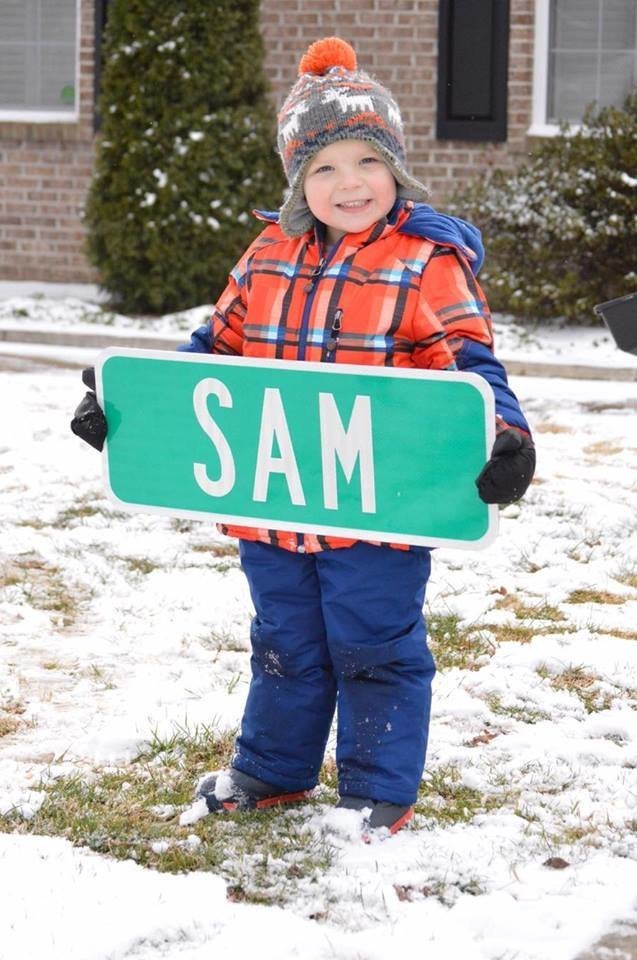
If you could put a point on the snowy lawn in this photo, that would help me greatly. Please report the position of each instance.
(124, 665)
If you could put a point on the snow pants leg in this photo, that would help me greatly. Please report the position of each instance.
(343, 626)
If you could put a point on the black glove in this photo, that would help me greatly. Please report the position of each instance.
(89, 422)
(507, 475)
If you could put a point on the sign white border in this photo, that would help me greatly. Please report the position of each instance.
(169, 356)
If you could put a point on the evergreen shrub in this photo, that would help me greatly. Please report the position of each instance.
(186, 151)
(560, 232)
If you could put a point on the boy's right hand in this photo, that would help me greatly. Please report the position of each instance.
(89, 422)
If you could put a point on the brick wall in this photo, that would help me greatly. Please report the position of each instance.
(45, 169)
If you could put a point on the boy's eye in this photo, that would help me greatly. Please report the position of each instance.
(322, 169)
(370, 160)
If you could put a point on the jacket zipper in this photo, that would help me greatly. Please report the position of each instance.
(310, 289)
(332, 340)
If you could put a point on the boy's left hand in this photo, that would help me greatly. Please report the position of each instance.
(507, 475)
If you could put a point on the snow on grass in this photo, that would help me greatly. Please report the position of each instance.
(124, 664)
(81, 316)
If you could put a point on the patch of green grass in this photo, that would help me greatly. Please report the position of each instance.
(534, 620)
(580, 682)
(90, 505)
(528, 563)
(180, 525)
(223, 556)
(548, 426)
(133, 813)
(216, 549)
(15, 571)
(54, 595)
(221, 641)
(512, 632)
(595, 596)
(574, 834)
(466, 647)
(201, 746)
(445, 893)
(612, 632)
(141, 565)
(455, 646)
(44, 587)
(629, 579)
(603, 448)
(101, 679)
(79, 511)
(9, 724)
(522, 712)
(444, 799)
(524, 611)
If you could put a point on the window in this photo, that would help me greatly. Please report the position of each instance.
(38, 59)
(584, 53)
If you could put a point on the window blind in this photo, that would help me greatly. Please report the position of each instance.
(38, 55)
(591, 56)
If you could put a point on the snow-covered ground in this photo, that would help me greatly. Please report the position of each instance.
(113, 626)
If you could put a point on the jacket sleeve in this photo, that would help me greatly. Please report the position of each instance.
(224, 331)
(455, 297)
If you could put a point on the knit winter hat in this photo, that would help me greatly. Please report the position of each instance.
(333, 100)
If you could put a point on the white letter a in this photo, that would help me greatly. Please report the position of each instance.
(275, 426)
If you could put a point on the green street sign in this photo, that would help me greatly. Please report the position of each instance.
(366, 452)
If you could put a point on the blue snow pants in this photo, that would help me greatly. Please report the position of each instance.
(338, 629)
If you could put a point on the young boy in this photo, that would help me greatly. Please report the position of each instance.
(354, 268)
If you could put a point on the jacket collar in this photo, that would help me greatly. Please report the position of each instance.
(414, 219)
(398, 215)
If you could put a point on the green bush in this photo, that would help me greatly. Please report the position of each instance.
(186, 151)
(560, 231)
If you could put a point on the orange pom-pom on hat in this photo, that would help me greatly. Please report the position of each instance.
(326, 53)
(333, 100)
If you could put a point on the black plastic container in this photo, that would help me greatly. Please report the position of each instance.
(620, 316)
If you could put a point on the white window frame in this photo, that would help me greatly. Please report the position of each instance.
(53, 116)
(539, 127)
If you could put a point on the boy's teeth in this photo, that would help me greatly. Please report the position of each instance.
(353, 203)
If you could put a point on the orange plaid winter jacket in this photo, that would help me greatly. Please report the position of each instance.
(389, 296)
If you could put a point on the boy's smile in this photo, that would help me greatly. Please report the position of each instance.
(348, 187)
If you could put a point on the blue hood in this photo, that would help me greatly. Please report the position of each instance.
(427, 223)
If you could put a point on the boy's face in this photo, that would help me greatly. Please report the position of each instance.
(348, 187)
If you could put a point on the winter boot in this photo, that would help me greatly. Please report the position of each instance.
(378, 814)
(233, 790)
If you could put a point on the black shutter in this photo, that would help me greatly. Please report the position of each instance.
(473, 57)
(101, 13)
